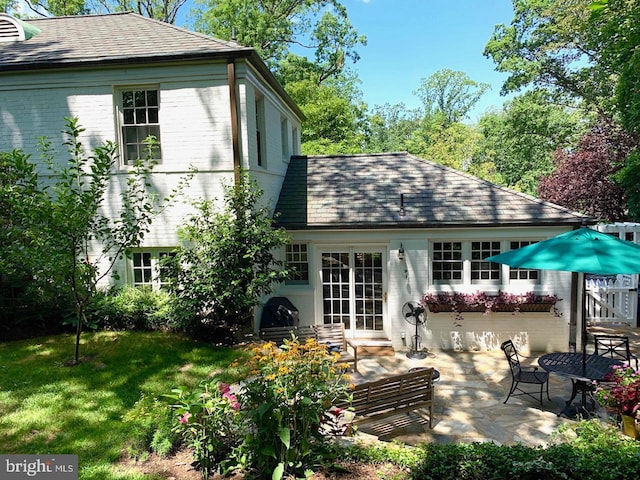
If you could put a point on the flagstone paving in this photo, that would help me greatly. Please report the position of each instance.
(469, 400)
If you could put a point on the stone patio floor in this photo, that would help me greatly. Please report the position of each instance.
(469, 399)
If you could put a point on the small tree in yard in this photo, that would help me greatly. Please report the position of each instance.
(77, 223)
(227, 261)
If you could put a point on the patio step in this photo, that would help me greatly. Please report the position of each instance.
(374, 347)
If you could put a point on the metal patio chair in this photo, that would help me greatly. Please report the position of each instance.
(524, 375)
(616, 347)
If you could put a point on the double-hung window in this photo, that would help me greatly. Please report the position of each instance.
(524, 274)
(147, 271)
(448, 263)
(139, 119)
(297, 259)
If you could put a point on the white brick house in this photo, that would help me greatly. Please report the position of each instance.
(214, 105)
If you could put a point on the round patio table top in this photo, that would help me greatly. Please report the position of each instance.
(570, 364)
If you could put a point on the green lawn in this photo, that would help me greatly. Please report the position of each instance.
(89, 409)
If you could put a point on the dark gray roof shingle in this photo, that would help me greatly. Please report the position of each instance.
(364, 191)
(97, 39)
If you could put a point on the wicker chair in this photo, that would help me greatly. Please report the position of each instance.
(523, 375)
(616, 347)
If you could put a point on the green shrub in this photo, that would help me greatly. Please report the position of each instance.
(132, 308)
(586, 449)
(209, 423)
(155, 431)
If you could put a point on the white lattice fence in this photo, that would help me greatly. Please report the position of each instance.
(612, 300)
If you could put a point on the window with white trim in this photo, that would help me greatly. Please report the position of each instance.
(146, 268)
(482, 271)
(284, 138)
(447, 262)
(139, 111)
(526, 274)
(260, 131)
(462, 262)
(297, 259)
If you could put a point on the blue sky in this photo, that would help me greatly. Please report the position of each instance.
(408, 40)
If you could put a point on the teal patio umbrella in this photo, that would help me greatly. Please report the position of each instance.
(583, 251)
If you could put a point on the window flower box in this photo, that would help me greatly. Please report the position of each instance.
(482, 302)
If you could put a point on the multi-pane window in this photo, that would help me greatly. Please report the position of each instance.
(482, 270)
(284, 138)
(447, 261)
(140, 119)
(260, 126)
(298, 261)
(147, 271)
(523, 273)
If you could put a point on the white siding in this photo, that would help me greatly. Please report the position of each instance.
(408, 280)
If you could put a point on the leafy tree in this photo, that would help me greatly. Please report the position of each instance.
(78, 233)
(274, 27)
(451, 94)
(334, 117)
(452, 145)
(226, 261)
(617, 27)
(550, 44)
(391, 128)
(163, 10)
(520, 140)
(32, 297)
(583, 180)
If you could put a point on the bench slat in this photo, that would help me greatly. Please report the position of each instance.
(394, 394)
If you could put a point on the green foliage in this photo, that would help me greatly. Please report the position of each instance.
(227, 260)
(272, 27)
(272, 425)
(209, 423)
(131, 308)
(163, 10)
(520, 140)
(94, 409)
(334, 111)
(586, 449)
(77, 225)
(451, 94)
(550, 45)
(155, 428)
(32, 294)
(285, 399)
(391, 128)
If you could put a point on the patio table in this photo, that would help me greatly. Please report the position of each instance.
(582, 374)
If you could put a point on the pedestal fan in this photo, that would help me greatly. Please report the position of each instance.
(415, 315)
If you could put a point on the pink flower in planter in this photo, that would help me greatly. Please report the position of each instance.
(185, 418)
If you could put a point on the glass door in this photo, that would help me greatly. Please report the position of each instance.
(353, 290)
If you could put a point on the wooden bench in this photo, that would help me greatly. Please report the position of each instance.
(394, 394)
(333, 335)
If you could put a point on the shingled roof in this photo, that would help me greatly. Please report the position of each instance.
(92, 41)
(364, 191)
(111, 38)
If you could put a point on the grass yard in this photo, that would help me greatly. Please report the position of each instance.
(90, 409)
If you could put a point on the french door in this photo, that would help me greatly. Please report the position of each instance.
(353, 290)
